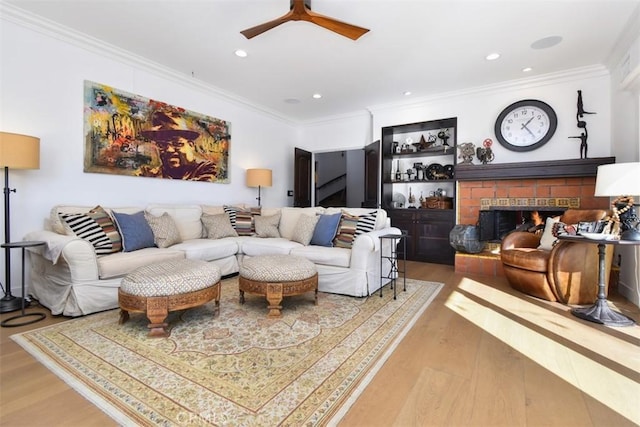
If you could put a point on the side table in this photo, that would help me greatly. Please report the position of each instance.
(395, 271)
(35, 317)
(600, 312)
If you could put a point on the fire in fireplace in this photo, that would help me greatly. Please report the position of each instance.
(497, 222)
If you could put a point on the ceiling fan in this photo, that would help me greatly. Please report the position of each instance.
(301, 11)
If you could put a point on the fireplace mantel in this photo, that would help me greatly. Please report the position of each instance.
(531, 170)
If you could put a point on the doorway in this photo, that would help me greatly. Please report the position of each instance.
(339, 178)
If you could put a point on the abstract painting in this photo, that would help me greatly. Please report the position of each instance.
(127, 134)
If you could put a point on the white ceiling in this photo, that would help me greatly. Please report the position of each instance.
(426, 47)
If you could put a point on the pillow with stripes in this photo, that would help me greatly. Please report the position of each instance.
(96, 227)
(242, 219)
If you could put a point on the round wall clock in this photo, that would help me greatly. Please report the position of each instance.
(526, 125)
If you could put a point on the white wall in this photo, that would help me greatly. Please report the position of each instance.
(41, 84)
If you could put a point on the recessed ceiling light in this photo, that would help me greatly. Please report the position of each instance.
(406, 93)
(292, 101)
(492, 56)
(526, 69)
(317, 96)
(241, 53)
(546, 42)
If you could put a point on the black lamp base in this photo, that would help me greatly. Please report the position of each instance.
(630, 234)
(11, 303)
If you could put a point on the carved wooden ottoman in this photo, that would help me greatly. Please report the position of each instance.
(277, 276)
(157, 289)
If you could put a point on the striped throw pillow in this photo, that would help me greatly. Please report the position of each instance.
(97, 228)
(366, 223)
(346, 231)
(242, 219)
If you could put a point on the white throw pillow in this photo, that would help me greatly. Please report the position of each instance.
(303, 233)
(548, 239)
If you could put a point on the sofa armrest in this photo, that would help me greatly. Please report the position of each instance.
(520, 239)
(79, 254)
(368, 244)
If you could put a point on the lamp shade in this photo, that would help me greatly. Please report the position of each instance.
(19, 151)
(618, 179)
(258, 177)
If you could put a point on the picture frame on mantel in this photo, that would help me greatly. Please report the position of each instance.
(126, 134)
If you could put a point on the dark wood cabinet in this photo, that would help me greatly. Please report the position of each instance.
(420, 146)
(427, 233)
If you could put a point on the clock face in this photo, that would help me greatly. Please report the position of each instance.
(525, 125)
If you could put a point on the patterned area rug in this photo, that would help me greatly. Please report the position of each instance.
(239, 368)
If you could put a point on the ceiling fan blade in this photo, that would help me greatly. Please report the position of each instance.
(351, 31)
(259, 29)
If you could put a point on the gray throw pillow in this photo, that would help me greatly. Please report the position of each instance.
(267, 226)
(218, 226)
(165, 230)
(303, 232)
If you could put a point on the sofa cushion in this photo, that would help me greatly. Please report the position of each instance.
(97, 228)
(135, 231)
(338, 257)
(208, 249)
(121, 263)
(187, 218)
(218, 226)
(304, 229)
(326, 230)
(267, 226)
(165, 231)
(289, 218)
(253, 246)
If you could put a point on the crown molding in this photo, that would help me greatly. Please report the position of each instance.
(592, 71)
(60, 32)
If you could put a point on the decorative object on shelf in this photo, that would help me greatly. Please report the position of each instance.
(16, 152)
(398, 200)
(406, 146)
(467, 151)
(424, 143)
(444, 136)
(412, 199)
(419, 167)
(484, 153)
(409, 173)
(259, 178)
(449, 170)
(618, 179)
(421, 199)
(436, 171)
(526, 125)
(582, 125)
(398, 173)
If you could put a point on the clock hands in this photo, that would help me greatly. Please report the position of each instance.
(524, 126)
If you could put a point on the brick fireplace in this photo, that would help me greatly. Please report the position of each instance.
(528, 185)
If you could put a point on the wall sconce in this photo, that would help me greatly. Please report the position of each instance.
(259, 178)
(16, 152)
(621, 180)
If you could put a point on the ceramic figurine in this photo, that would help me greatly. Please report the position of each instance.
(467, 151)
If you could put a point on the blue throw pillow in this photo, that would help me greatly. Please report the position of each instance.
(135, 231)
(326, 230)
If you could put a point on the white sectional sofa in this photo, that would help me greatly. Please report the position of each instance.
(69, 278)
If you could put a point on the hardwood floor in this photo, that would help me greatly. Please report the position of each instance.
(481, 355)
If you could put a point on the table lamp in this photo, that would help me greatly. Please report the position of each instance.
(621, 180)
(16, 152)
(259, 178)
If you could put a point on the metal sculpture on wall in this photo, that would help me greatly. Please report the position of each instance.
(582, 125)
(127, 134)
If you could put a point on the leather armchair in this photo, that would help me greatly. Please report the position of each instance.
(568, 273)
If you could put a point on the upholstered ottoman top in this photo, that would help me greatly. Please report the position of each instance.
(277, 268)
(170, 278)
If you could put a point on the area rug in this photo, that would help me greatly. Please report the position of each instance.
(239, 368)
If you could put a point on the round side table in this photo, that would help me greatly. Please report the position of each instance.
(32, 317)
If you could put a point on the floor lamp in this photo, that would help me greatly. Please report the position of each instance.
(258, 178)
(16, 152)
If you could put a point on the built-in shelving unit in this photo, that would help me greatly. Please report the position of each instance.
(419, 160)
